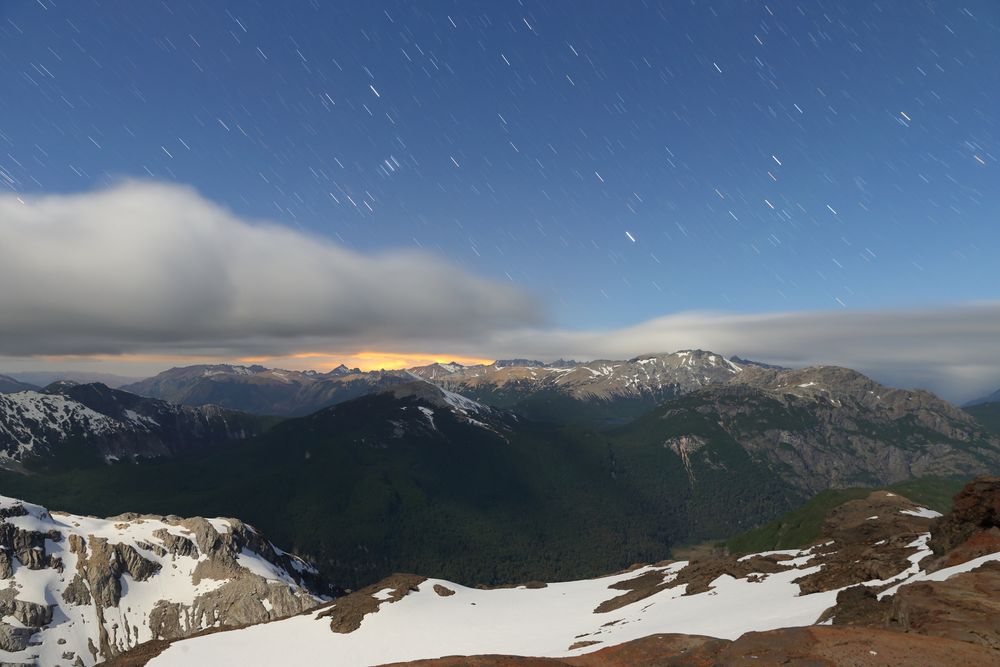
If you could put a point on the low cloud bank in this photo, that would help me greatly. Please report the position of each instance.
(953, 350)
(154, 267)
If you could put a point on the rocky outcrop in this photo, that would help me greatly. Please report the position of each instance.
(872, 539)
(133, 578)
(346, 613)
(965, 607)
(973, 527)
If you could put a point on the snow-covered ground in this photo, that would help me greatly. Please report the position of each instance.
(521, 621)
(539, 621)
(30, 417)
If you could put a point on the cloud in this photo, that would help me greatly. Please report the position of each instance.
(148, 269)
(154, 267)
(954, 350)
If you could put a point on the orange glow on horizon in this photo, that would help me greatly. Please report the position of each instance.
(366, 360)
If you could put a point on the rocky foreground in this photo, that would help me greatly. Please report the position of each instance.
(889, 583)
(78, 590)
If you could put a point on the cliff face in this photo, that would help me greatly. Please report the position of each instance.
(83, 589)
(832, 427)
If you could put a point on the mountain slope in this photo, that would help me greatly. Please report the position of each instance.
(9, 385)
(988, 415)
(260, 390)
(402, 480)
(595, 392)
(388, 482)
(804, 524)
(93, 422)
(45, 378)
(992, 398)
(78, 590)
(819, 428)
(880, 541)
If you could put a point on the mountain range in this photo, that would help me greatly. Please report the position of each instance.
(395, 479)
(596, 392)
(991, 398)
(43, 378)
(263, 390)
(531, 471)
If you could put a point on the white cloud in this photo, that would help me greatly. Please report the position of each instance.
(157, 269)
(145, 266)
(954, 350)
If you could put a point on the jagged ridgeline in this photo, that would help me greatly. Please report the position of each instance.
(403, 478)
(68, 424)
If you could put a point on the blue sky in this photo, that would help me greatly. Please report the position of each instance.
(532, 141)
(308, 183)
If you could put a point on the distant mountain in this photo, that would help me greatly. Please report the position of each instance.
(987, 414)
(80, 590)
(9, 385)
(761, 364)
(92, 422)
(44, 378)
(521, 362)
(992, 398)
(601, 391)
(261, 390)
(596, 392)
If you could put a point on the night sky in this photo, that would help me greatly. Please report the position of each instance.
(622, 160)
(606, 164)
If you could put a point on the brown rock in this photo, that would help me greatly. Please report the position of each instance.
(346, 613)
(964, 607)
(858, 605)
(976, 509)
(6, 566)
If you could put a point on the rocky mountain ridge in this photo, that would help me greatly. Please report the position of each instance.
(991, 398)
(599, 393)
(260, 390)
(825, 427)
(109, 424)
(634, 385)
(658, 374)
(77, 590)
(382, 477)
